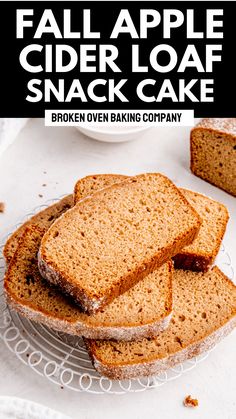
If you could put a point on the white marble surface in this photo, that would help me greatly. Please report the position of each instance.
(57, 157)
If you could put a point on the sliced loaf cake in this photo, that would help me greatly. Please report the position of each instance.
(213, 152)
(204, 312)
(142, 311)
(111, 240)
(201, 253)
(198, 256)
(42, 219)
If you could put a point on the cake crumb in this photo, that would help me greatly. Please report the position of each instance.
(44, 184)
(189, 402)
(2, 207)
(40, 195)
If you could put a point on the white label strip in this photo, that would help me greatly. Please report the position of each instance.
(120, 118)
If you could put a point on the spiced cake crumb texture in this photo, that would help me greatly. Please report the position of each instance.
(204, 312)
(201, 253)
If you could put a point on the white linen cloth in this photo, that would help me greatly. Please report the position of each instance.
(16, 408)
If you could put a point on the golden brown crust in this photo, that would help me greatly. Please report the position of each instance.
(94, 303)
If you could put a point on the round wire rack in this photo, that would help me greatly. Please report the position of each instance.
(62, 358)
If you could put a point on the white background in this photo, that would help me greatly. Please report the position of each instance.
(65, 155)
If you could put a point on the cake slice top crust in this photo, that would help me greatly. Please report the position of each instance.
(222, 125)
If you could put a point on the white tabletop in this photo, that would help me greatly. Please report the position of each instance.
(57, 157)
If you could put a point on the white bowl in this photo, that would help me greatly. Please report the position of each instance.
(113, 134)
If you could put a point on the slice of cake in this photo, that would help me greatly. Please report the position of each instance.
(200, 255)
(143, 311)
(204, 311)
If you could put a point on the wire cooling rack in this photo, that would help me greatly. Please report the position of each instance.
(62, 358)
